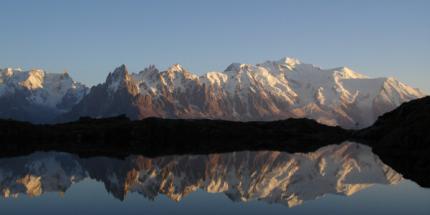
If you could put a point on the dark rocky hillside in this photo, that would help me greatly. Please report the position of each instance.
(154, 136)
(402, 139)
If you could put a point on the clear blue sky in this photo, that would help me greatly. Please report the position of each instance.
(89, 38)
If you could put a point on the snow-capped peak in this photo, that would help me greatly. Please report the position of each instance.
(176, 68)
(177, 71)
(237, 67)
(34, 79)
(117, 78)
(289, 61)
(9, 71)
(347, 73)
(41, 88)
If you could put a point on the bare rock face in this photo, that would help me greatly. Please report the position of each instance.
(272, 90)
(118, 94)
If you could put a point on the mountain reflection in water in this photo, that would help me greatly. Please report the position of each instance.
(269, 176)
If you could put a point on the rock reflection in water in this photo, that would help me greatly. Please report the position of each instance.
(273, 177)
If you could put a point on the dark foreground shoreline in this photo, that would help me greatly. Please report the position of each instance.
(118, 136)
(400, 138)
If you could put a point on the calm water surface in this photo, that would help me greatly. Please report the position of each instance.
(337, 179)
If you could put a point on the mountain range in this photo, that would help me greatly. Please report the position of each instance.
(272, 90)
